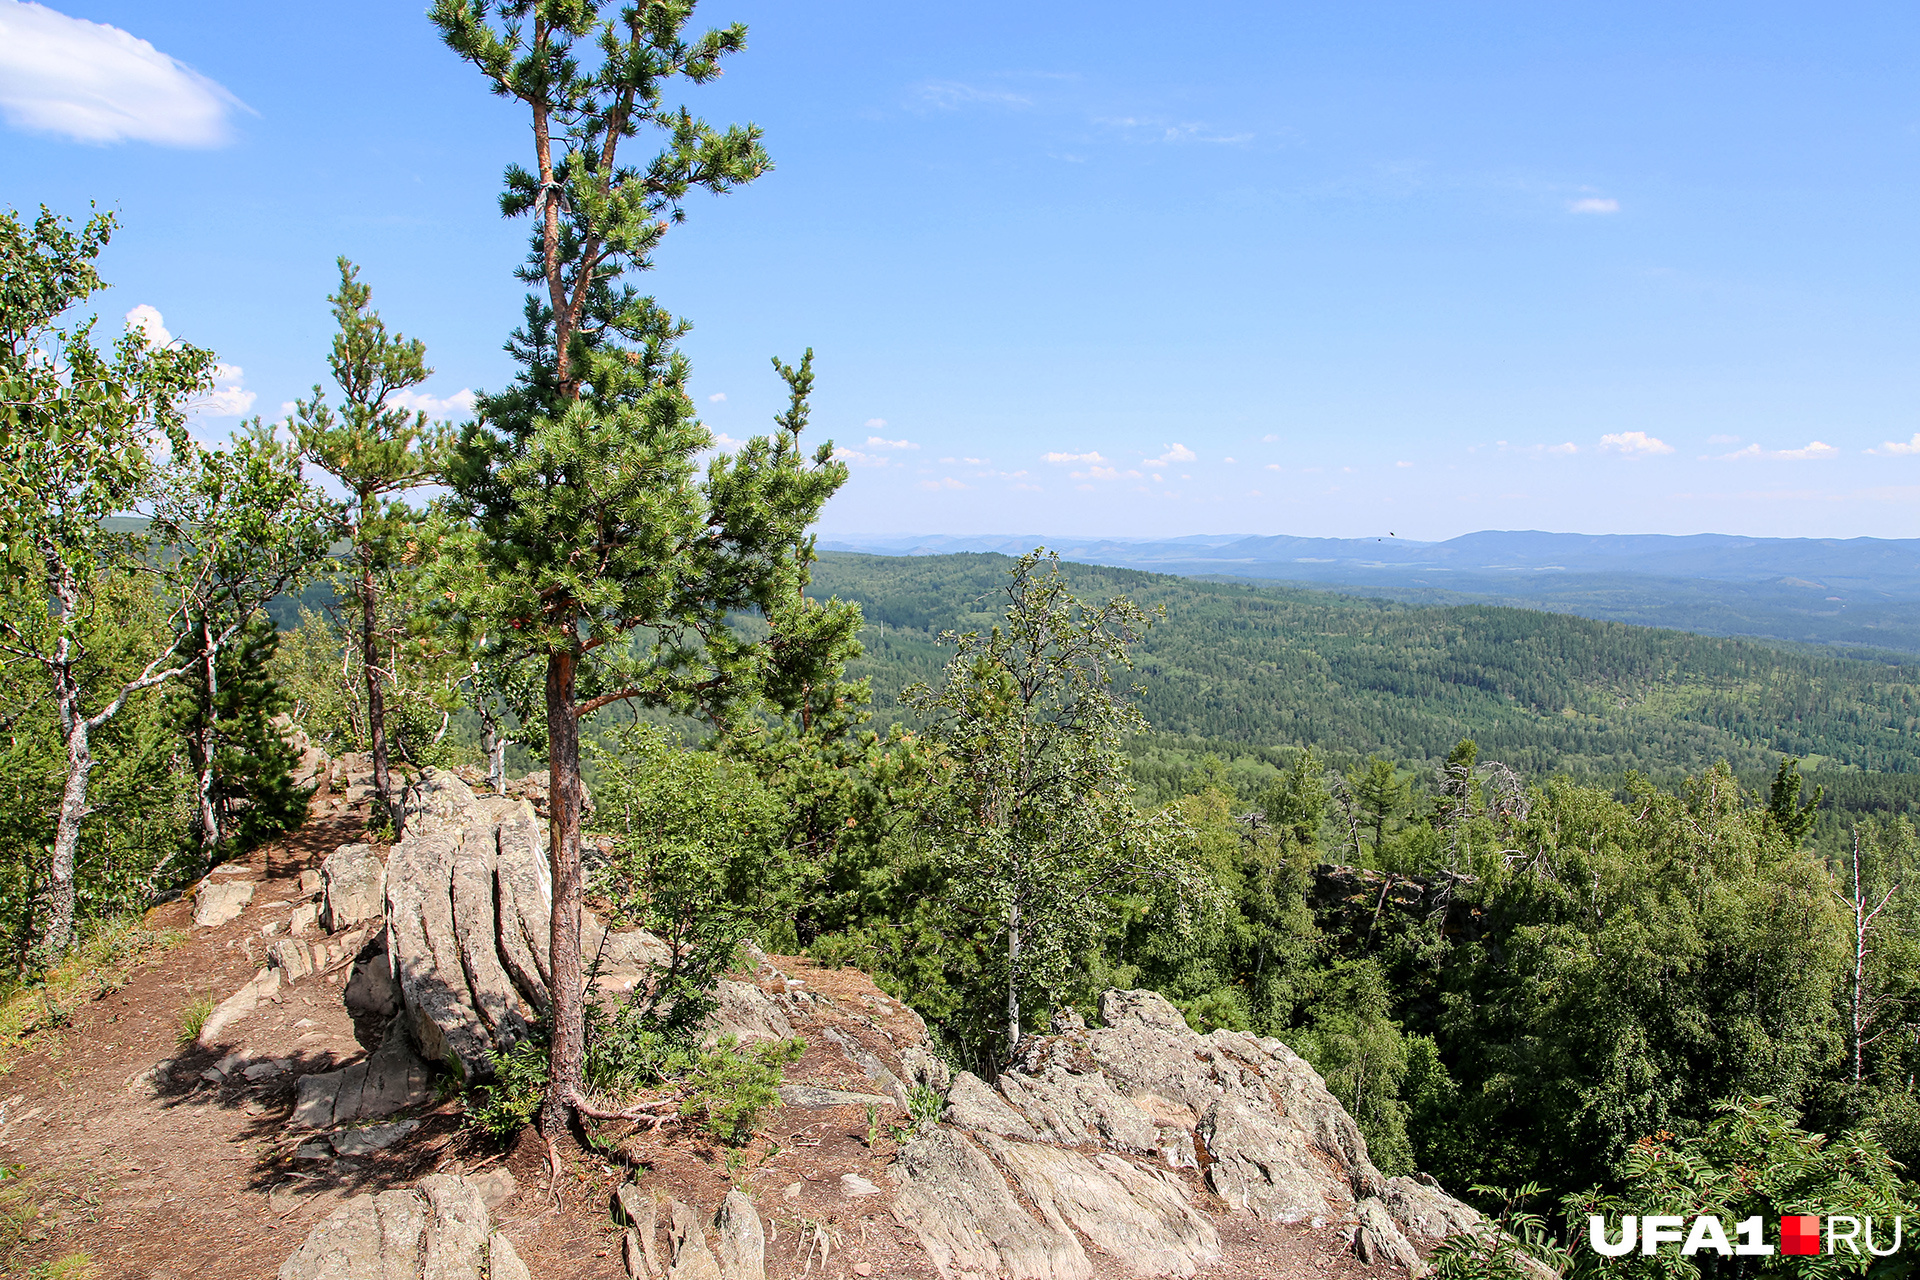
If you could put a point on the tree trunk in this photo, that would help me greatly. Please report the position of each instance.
(209, 819)
(66, 838)
(376, 703)
(1860, 922)
(1013, 978)
(563, 852)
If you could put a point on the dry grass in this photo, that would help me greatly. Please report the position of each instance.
(99, 965)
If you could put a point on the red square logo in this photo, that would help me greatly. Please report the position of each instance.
(1800, 1233)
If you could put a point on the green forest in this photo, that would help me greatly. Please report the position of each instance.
(1531, 892)
(1544, 692)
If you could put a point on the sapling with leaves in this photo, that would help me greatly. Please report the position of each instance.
(597, 545)
(242, 527)
(79, 432)
(379, 448)
(1031, 815)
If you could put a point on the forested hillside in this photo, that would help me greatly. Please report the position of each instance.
(1544, 692)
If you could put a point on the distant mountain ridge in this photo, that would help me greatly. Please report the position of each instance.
(1846, 591)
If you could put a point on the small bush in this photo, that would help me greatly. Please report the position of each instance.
(731, 1086)
(193, 1018)
(510, 1103)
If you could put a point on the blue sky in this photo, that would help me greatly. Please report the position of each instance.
(1120, 269)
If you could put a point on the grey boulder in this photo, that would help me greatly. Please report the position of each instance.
(439, 1231)
(353, 887)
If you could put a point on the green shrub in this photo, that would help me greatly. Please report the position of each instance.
(509, 1104)
(730, 1085)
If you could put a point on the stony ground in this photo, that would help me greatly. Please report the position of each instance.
(162, 1168)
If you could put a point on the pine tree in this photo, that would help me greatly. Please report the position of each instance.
(378, 448)
(599, 547)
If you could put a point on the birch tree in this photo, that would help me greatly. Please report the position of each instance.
(1031, 817)
(80, 429)
(241, 526)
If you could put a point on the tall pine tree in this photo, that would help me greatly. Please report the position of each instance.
(600, 547)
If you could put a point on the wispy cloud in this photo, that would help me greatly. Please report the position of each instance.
(1635, 444)
(1897, 449)
(856, 458)
(877, 442)
(1089, 456)
(1160, 129)
(1726, 439)
(1593, 204)
(951, 95)
(1811, 452)
(716, 397)
(228, 399)
(1174, 453)
(90, 82)
(944, 482)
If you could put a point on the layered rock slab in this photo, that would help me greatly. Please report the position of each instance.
(956, 1202)
(439, 1231)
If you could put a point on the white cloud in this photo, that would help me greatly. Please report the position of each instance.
(1403, 464)
(1593, 204)
(854, 456)
(1635, 444)
(94, 83)
(1895, 449)
(1567, 447)
(147, 320)
(875, 442)
(724, 442)
(716, 397)
(1094, 458)
(1273, 466)
(1270, 439)
(457, 405)
(1095, 473)
(1813, 451)
(1229, 461)
(1174, 453)
(1723, 439)
(944, 482)
(228, 399)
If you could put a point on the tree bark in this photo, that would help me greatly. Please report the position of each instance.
(1013, 978)
(568, 1048)
(209, 820)
(376, 701)
(66, 838)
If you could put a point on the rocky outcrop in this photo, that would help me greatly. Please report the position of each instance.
(956, 1202)
(438, 1231)
(468, 904)
(1139, 1100)
(390, 1079)
(217, 901)
(262, 986)
(353, 887)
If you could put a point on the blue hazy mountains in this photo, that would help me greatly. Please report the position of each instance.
(1853, 591)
